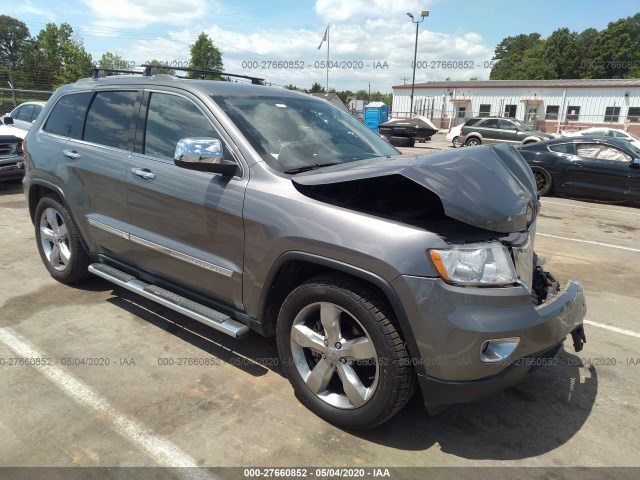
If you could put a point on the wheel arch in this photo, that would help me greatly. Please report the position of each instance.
(292, 268)
(38, 189)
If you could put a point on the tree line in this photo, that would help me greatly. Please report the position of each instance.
(613, 52)
(56, 55)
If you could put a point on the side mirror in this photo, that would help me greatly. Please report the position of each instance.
(203, 154)
(635, 163)
(8, 120)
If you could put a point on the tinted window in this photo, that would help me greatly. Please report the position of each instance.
(506, 125)
(472, 121)
(552, 112)
(109, 119)
(170, 118)
(67, 116)
(634, 114)
(573, 112)
(491, 123)
(24, 113)
(561, 148)
(36, 111)
(485, 109)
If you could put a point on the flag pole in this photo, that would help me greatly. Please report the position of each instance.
(328, 56)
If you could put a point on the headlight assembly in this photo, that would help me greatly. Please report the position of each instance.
(475, 264)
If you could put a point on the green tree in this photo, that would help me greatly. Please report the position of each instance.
(516, 45)
(14, 42)
(362, 94)
(616, 50)
(561, 53)
(205, 56)
(62, 53)
(317, 88)
(113, 61)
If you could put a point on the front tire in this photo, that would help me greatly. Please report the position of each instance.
(342, 353)
(544, 181)
(58, 241)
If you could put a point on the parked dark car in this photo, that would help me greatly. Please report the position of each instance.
(488, 130)
(600, 168)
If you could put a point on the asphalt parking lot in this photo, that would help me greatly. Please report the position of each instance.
(112, 391)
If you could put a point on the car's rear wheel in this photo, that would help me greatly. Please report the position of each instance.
(473, 141)
(58, 241)
(402, 141)
(544, 182)
(342, 352)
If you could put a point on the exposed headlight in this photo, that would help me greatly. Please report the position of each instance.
(475, 264)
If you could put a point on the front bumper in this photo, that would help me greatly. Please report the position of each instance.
(450, 325)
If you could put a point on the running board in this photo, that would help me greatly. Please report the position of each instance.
(210, 317)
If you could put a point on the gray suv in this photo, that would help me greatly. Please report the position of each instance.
(248, 207)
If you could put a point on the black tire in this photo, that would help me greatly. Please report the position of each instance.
(456, 142)
(402, 141)
(473, 141)
(362, 317)
(544, 181)
(58, 241)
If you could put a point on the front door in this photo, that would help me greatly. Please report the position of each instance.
(186, 225)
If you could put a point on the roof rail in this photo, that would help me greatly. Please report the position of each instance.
(150, 70)
(102, 72)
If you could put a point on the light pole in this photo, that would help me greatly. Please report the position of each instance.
(423, 14)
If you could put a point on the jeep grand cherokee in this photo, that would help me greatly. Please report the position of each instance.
(249, 207)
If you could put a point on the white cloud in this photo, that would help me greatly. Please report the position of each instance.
(27, 7)
(142, 13)
(354, 36)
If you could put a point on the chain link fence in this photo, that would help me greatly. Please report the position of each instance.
(12, 97)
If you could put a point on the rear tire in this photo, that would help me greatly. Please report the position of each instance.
(544, 181)
(402, 141)
(59, 242)
(472, 142)
(342, 353)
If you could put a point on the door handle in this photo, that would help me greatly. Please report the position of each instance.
(71, 154)
(144, 173)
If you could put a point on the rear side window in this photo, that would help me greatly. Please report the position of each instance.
(36, 111)
(561, 148)
(110, 118)
(67, 116)
(471, 121)
(170, 118)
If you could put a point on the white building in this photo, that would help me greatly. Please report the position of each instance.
(550, 105)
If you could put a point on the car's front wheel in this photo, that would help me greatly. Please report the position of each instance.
(58, 241)
(342, 353)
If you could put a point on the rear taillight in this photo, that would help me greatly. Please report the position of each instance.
(23, 147)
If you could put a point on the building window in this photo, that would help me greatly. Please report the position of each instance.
(573, 112)
(634, 114)
(552, 112)
(462, 111)
(485, 109)
(510, 111)
(612, 114)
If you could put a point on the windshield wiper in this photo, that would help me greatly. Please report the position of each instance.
(306, 168)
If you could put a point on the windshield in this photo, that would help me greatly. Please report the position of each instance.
(294, 134)
(522, 126)
(635, 147)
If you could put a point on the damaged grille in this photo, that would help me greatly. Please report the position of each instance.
(10, 146)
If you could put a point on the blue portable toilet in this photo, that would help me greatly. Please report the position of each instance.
(375, 113)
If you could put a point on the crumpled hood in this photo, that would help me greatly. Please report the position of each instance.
(489, 187)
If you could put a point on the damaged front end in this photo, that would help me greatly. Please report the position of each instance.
(488, 315)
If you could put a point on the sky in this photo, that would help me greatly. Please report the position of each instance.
(371, 42)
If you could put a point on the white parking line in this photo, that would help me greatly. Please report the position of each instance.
(620, 247)
(544, 202)
(623, 331)
(162, 451)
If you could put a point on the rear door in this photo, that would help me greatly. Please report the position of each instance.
(186, 225)
(489, 130)
(91, 137)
